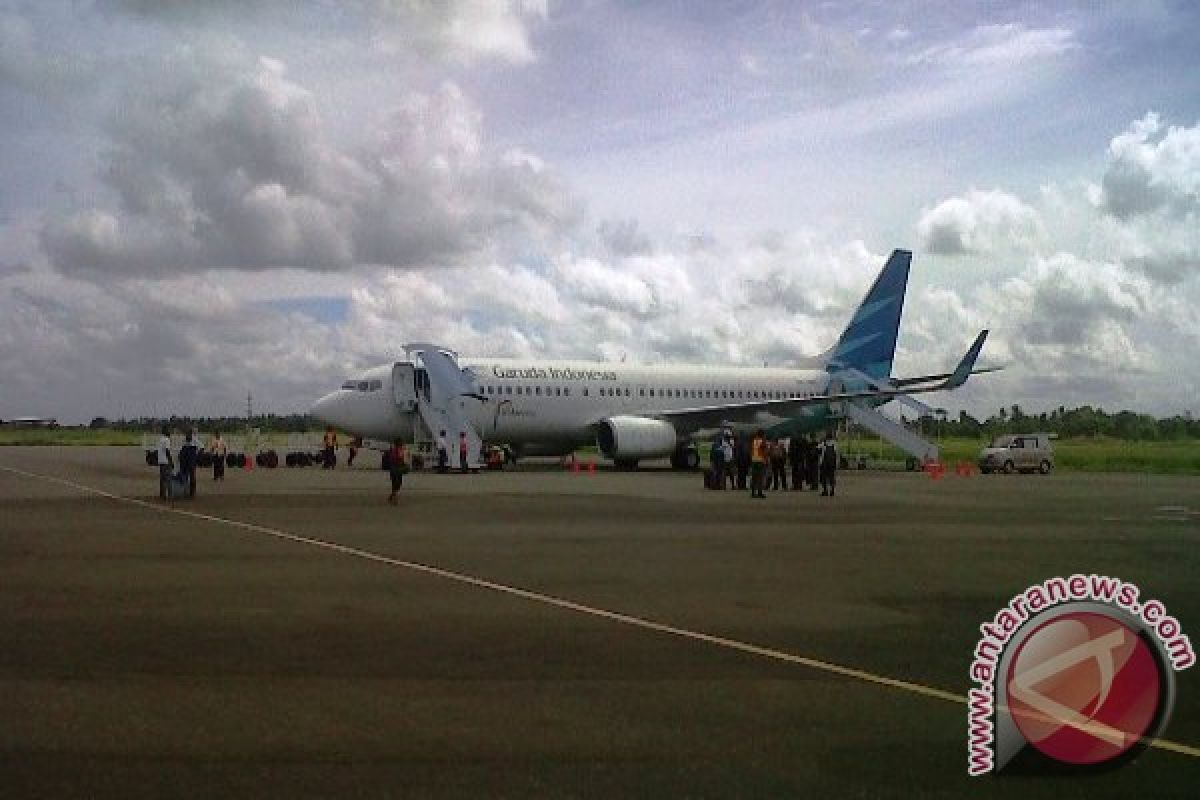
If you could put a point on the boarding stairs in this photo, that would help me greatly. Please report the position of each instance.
(916, 446)
(443, 393)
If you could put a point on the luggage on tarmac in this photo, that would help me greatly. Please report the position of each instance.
(178, 486)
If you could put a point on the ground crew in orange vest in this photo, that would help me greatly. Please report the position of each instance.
(758, 463)
(330, 445)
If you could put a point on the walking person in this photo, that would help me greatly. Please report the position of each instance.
(758, 464)
(218, 450)
(329, 451)
(397, 458)
(443, 452)
(829, 465)
(165, 464)
(188, 456)
(463, 450)
(796, 462)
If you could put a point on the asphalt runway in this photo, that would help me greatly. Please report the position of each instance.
(540, 633)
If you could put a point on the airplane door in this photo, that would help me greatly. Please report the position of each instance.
(404, 385)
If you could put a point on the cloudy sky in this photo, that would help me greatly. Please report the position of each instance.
(200, 199)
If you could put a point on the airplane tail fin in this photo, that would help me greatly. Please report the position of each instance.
(868, 344)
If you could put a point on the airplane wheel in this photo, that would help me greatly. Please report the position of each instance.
(151, 458)
(272, 459)
(231, 460)
(626, 464)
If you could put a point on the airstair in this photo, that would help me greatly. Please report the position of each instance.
(441, 392)
(916, 446)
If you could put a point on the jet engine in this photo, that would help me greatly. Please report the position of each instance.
(627, 438)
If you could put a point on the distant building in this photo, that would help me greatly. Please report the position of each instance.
(32, 422)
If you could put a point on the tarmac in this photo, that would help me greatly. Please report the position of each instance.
(539, 633)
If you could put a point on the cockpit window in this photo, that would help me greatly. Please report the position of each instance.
(363, 386)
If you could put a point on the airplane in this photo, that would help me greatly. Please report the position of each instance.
(638, 412)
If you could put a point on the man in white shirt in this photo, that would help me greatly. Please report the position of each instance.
(165, 462)
(443, 452)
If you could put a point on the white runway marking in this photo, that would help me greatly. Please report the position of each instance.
(557, 602)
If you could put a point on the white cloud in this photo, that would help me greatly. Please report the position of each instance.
(979, 222)
(1007, 45)
(221, 167)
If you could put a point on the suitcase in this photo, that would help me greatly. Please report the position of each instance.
(177, 487)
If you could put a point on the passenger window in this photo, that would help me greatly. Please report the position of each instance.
(538, 391)
(627, 391)
(558, 391)
(567, 391)
(585, 391)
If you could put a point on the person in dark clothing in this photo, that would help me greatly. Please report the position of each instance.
(716, 460)
(218, 450)
(355, 443)
(463, 450)
(397, 459)
(742, 457)
(188, 455)
(796, 462)
(812, 458)
(829, 465)
(778, 465)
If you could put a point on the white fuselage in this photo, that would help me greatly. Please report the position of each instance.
(553, 406)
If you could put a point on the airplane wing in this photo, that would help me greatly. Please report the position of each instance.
(715, 415)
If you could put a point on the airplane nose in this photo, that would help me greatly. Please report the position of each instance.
(323, 409)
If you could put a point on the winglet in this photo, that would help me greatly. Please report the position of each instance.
(963, 370)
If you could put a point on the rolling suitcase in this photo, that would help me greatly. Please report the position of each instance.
(177, 487)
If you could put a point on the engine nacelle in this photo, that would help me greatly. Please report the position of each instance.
(629, 438)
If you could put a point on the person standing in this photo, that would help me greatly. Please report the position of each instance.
(812, 458)
(355, 443)
(165, 464)
(187, 462)
(443, 452)
(727, 461)
(741, 454)
(329, 449)
(218, 451)
(397, 466)
(796, 462)
(829, 464)
(758, 463)
(716, 459)
(463, 451)
(778, 465)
